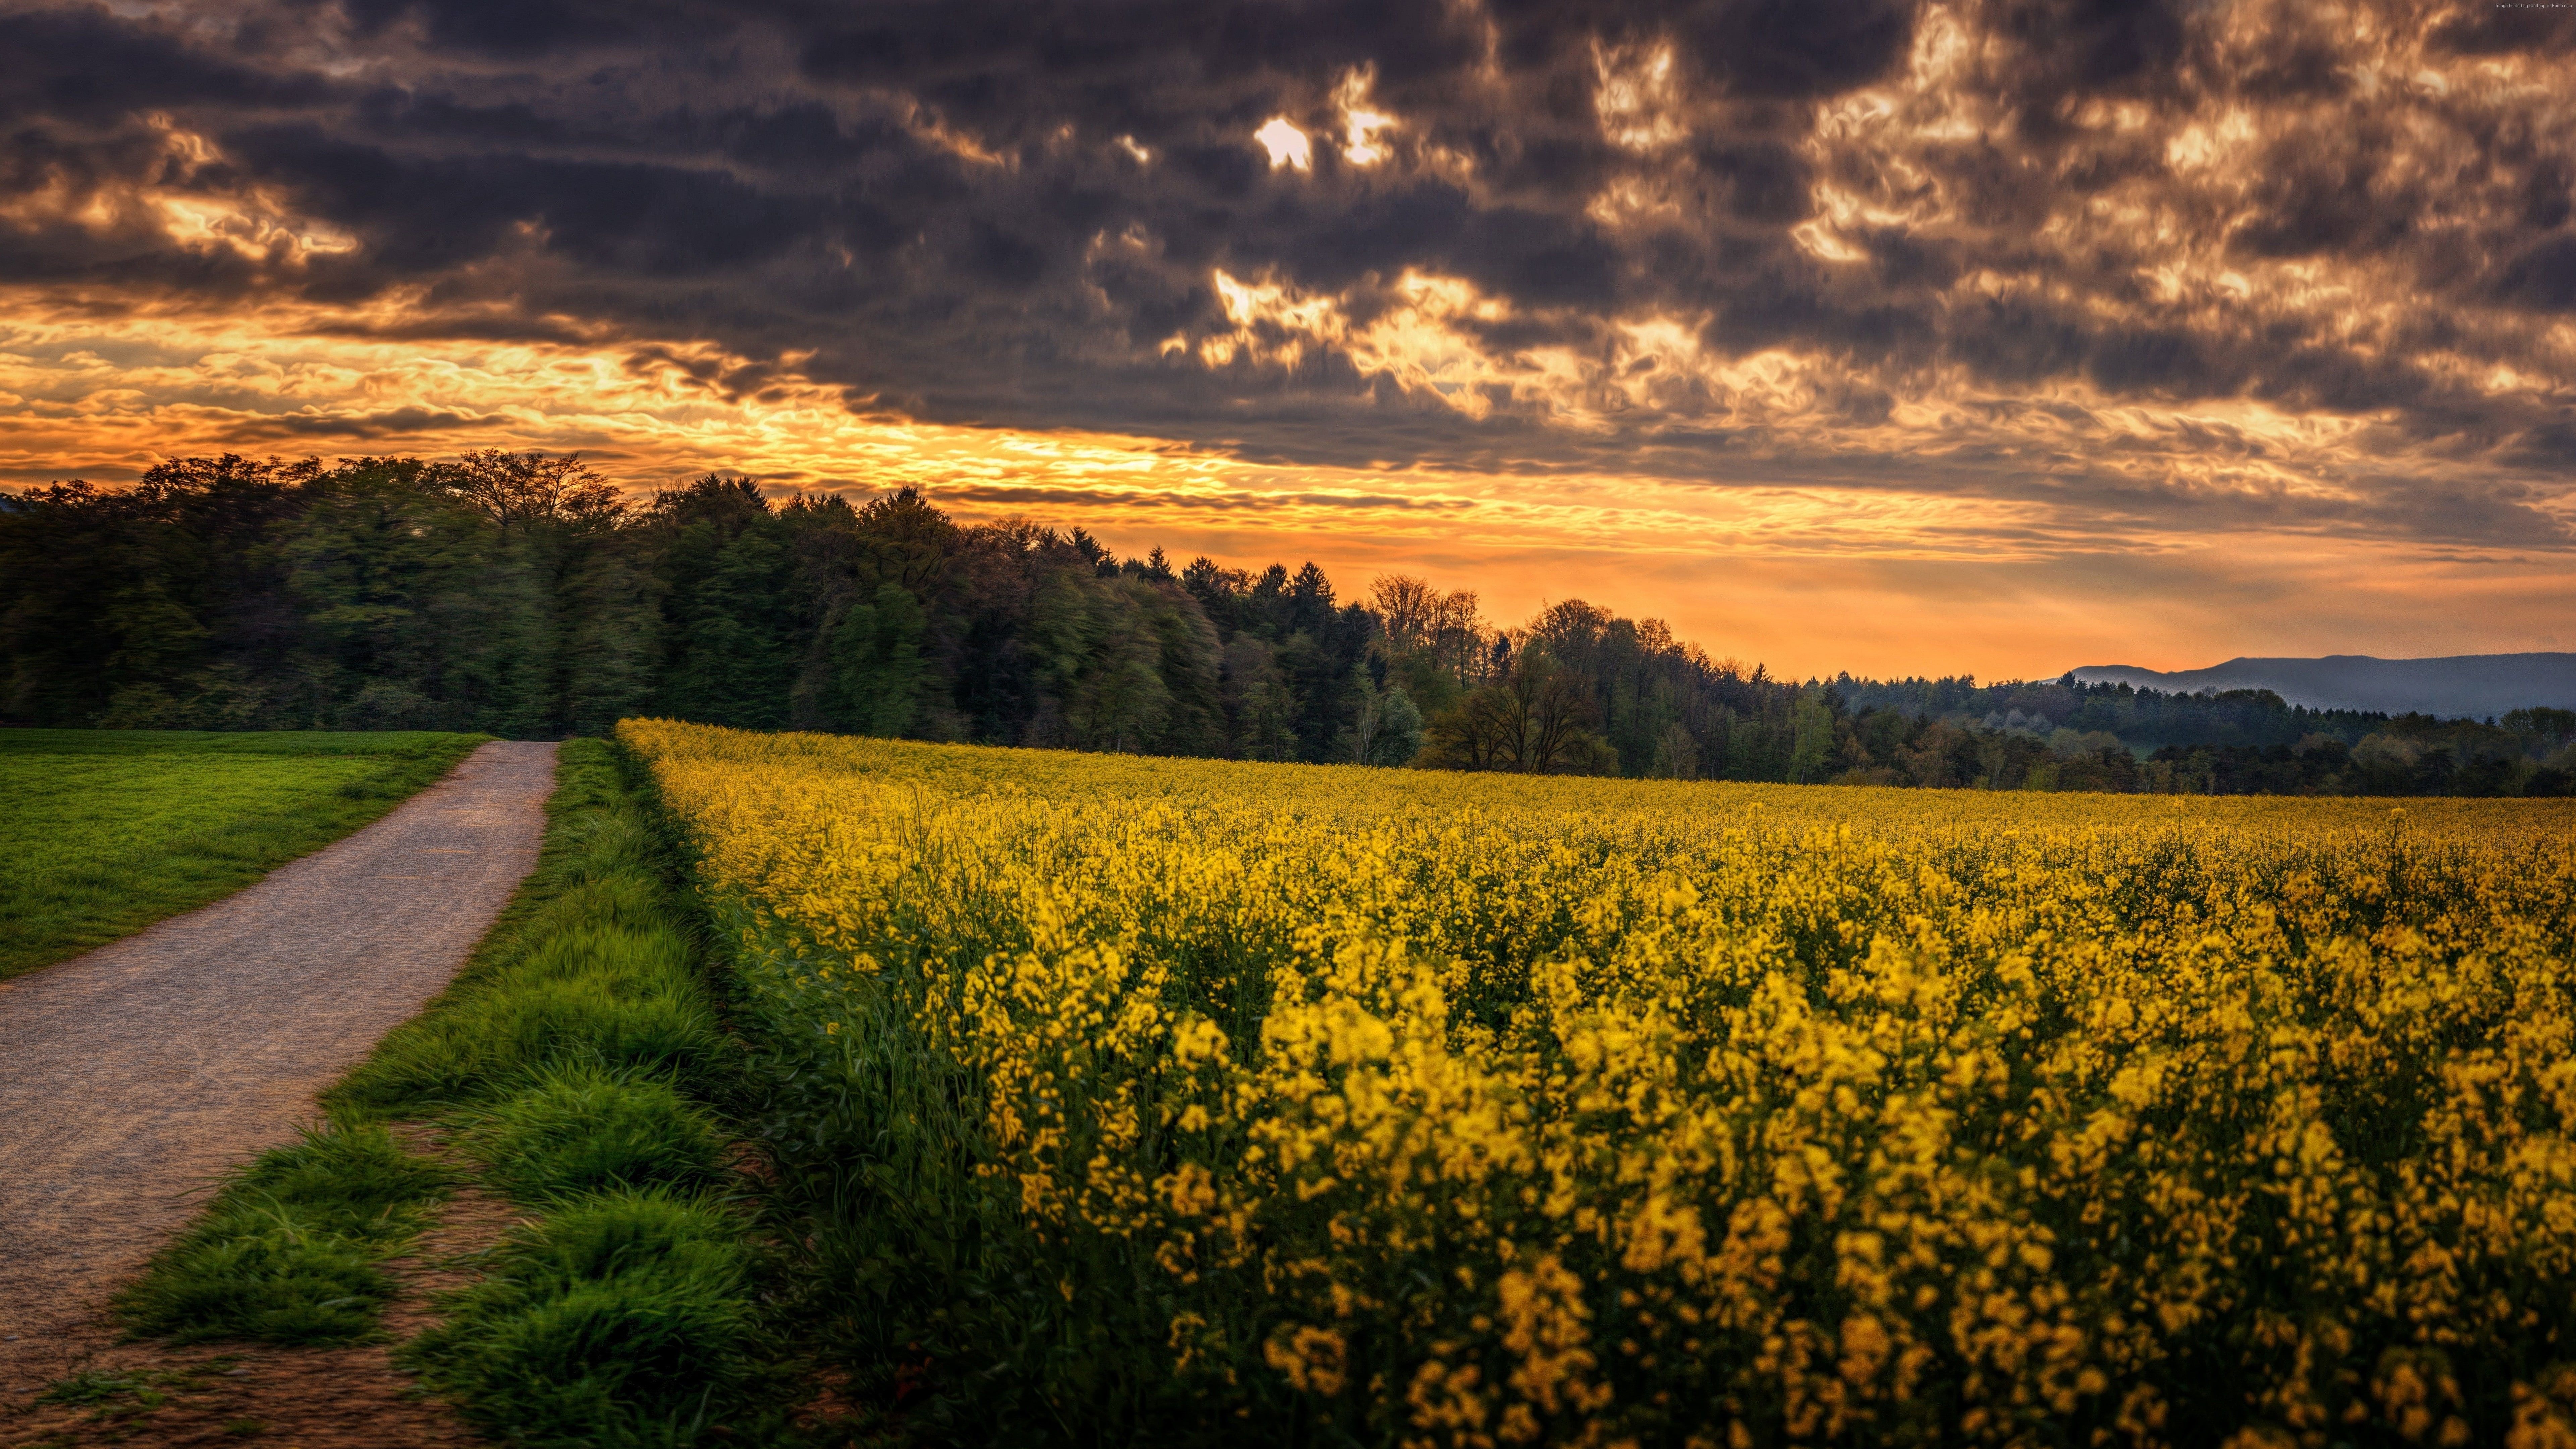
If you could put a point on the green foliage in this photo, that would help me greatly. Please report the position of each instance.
(1102, 657)
(610, 655)
(2142, 718)
(623, 1320)
(877, 666)
(1385, 728)
(517, 594)
(1812, 739)
(730, 642)
(289, 1251)
(1263, 704)
(495, 593)
(109, 831)
(580, 1130)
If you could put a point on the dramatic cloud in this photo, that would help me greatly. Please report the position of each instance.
(2039, 283)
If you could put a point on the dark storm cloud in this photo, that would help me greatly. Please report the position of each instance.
(87, 68)
(1018, 213)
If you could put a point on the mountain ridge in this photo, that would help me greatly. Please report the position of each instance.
(2472, 686)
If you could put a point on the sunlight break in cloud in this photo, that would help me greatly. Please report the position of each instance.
(1286, 144)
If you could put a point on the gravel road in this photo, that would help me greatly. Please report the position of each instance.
(132, 1075)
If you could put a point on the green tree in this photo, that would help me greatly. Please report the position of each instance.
(1811, 739)
(1385, 728)
(377, 567)
(734, 657)
(1120, 703)
(1187, 663)
(1261, 706)
(730, 601)
(610, 651)
(877, 668)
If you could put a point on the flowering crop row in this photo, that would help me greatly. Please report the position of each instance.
(1137, 1099)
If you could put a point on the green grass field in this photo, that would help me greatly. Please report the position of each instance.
(103, 832)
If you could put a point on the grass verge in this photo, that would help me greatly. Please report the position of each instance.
(108, 831)
(623, 1317)
(290, 1251)
(579, 1060)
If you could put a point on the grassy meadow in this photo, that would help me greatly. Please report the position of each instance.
(107, 831)
(1124, 1100)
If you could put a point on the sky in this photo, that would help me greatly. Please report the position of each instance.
(1998, 336)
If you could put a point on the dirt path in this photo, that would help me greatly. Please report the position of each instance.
(133, 1074)
(305, 1398)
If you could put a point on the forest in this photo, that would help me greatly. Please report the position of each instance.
(525, 595)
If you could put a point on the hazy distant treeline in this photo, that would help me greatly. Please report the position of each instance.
(523, 595)
(2067, 735)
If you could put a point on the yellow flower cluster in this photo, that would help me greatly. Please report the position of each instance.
(1464, 1110)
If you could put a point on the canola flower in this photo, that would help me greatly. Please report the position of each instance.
(1274, 1103)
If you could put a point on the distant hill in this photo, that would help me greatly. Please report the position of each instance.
(2470, 685)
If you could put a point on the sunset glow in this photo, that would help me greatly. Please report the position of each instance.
(1907, 344)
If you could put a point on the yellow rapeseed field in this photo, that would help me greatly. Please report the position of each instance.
(1140, 1100)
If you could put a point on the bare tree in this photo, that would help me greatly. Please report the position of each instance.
(1555, 709)
(517, 489)
(1536, 720)
(1407, 610)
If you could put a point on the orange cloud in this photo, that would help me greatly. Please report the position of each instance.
(1807, 577)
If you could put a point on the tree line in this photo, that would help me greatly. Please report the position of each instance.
(2067, 734)
(524, 595)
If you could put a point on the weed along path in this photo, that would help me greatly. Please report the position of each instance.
(131, 1076)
